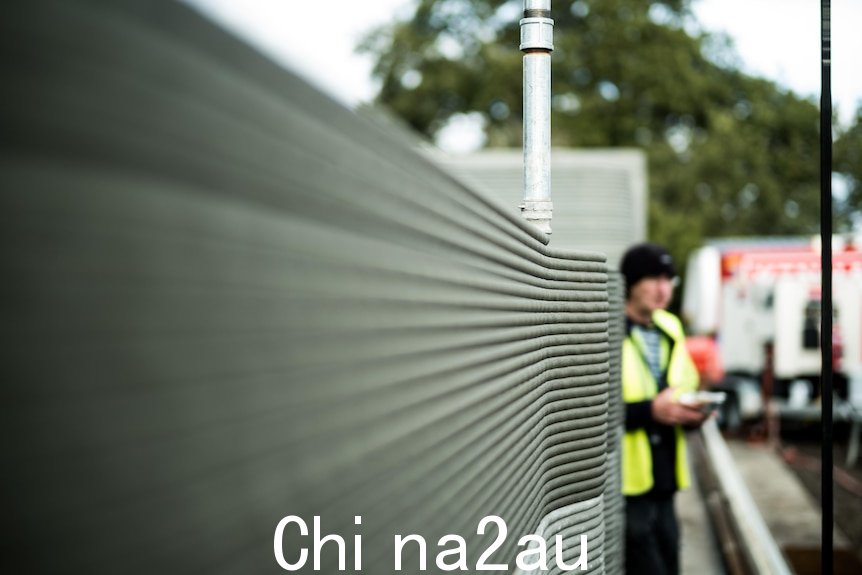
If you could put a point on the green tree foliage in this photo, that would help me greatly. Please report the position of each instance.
(728, 154)
(847, 161)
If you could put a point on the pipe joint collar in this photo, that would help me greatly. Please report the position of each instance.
(538, 213)
(537, 34)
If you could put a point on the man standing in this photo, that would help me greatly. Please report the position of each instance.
(656, 369)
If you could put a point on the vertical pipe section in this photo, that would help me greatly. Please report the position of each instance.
(537, 43)
(826, 282)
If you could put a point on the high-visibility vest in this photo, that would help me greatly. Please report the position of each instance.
(639, 384)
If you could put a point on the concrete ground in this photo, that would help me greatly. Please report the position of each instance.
(789, 510)
(700, 551)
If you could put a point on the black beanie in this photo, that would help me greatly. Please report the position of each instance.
(646, 260)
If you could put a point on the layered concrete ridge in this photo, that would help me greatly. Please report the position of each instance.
(231, 300)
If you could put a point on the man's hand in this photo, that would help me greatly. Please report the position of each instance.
(667, 410)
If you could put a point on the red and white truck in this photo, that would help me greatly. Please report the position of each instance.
(753, 307)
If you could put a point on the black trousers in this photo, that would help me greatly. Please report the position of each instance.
(652, 537)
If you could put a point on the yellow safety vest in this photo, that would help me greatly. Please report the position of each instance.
(639, 385)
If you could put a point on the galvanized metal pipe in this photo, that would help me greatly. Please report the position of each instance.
(537, 43)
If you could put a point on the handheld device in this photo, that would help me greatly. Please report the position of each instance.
(706, 400)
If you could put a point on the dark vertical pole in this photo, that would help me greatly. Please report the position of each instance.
(826, 282)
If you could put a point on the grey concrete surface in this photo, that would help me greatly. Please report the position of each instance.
(700, 551)
(791, 513)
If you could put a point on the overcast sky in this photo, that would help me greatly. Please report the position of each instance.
(778, 39)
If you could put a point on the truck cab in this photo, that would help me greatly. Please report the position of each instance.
(758, 301)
